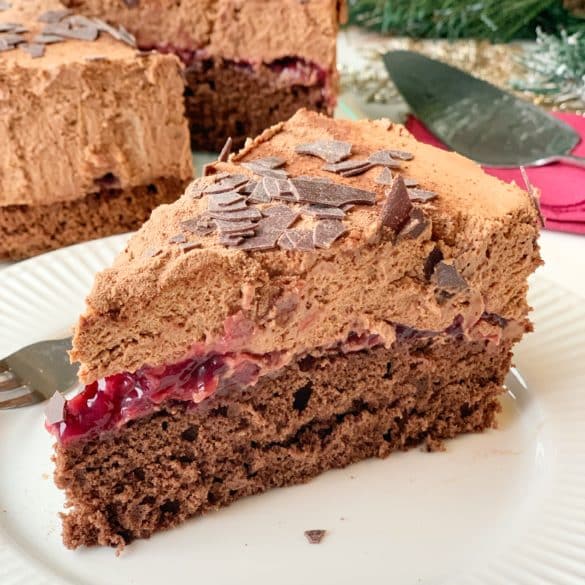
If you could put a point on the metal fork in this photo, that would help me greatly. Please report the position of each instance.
(34, 373)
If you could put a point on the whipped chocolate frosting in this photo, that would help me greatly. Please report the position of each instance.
(465, 251)
(111, 115)
(240, 30)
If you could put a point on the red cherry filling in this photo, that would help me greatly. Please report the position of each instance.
(122, 397)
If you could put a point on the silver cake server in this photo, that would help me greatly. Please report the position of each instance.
(476, 118)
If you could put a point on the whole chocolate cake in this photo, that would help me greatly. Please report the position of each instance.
(334, 291)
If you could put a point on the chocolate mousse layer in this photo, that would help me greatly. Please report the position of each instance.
(319, 413)
(248, 64)
(82, 112)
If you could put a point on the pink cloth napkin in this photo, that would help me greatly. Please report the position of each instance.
(562, 186)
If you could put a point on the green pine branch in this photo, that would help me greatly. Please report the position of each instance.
(496, 20)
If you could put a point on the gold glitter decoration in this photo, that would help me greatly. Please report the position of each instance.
(499, 64)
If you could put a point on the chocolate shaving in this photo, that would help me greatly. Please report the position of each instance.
(234, 227)
(230, 239)
(346, 165)
(4, 5)
(10, 27)
(401, 154)
(331, 194)
(447, 278)
(279, 217)
(188, 246)
(53, 16)
(226, 183)
(178, 239)
(323, 212)
(271, 187)
(45, 39)
(120, 33)
(81, 33)
(226, 215)
(200, 226)
(331, 151)
(315, 536)
(416, 226)
(259, 195)
(263, 171)
(270, 162)
(11, 39)
(227, 147)
(384, 158)
(327, 231)
(247, 188)
(434, 257)
(227, 199)
(357, 171)
(385, 177)
(397, 206)
(421, 195)
(55, 409)
(33, 49)
(297, 240)
(264, 241)
(410, 182)
(534, 196)
(286, 191)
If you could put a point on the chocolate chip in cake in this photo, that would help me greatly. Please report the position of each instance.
(259, 194)
(35, 50)
(416, 225)
(397, 206)
(385, 177)
(226, 183)
(401, 154)
(384, 158)
(421, 195)
(227, 215)
(434, 257)
(297, 239)
(327, 231)
(447, 278)
(302, 396)
(227, 147)
(323, 212)
(331, 194)
(55, 409)
(52, 16)
(178, 239)
(360, 166)
(331, 151)
(315, 536)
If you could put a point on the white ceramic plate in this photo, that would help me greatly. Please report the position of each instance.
(504, 507)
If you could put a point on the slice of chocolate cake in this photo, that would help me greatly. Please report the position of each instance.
(334, 291)
(249, 63)
(93, 133)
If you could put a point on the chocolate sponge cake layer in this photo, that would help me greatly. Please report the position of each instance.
(316, 414)
(27, 230)
(225, 98)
